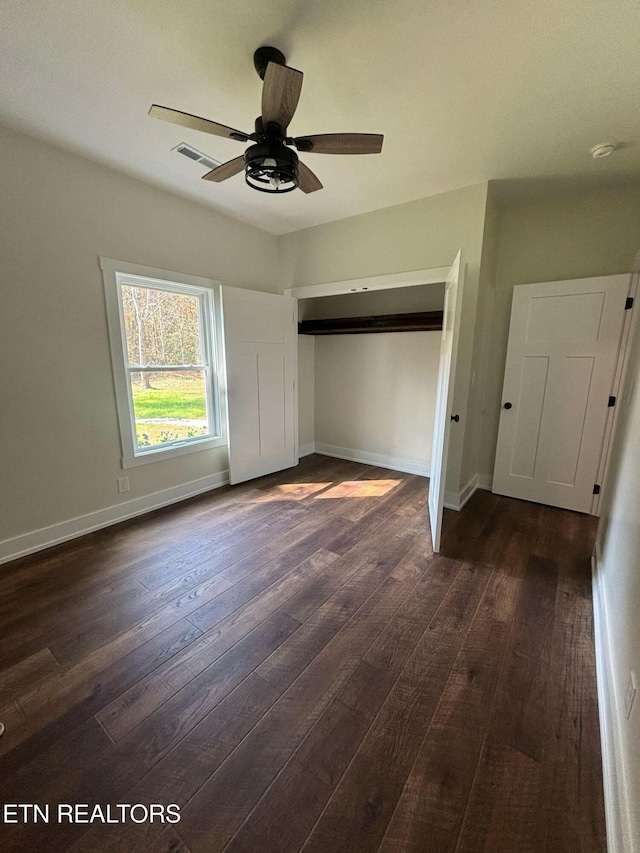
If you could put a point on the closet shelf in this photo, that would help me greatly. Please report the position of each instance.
(421, 321)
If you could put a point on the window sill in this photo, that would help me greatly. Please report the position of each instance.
(162, 453)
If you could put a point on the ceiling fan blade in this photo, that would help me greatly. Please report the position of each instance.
(307, 181)
(226, 170)
(280, 94)
(196, 123)
(340, 143)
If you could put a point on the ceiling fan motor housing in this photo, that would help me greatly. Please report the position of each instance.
(271, 167)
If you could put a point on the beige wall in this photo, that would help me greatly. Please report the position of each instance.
(376, 394)
(585, 234)
(306, 391)
(59, 436)
(618, 577)
(416, 235)
(482, 346)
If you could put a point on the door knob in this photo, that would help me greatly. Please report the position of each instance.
(455, 418)
(507, 406)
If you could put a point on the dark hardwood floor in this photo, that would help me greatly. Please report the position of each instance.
(288, 662)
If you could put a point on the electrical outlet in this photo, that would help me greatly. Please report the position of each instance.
(630, 695)
(123, 485)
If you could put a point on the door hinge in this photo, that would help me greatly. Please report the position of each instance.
(629, 303)
(612, 402)
(596, 489)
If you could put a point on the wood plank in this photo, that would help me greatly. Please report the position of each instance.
(230, 548)
(436, 578)
(434, 798)
(510, 771)
(157, 733)
(300, 545)
(108, 553)
(329, 521)
(127, 762)
(49, 778)
(574, 807)
(29, 671)
(413, 702)
(405, 498)
(376, 527)
(367, 794)
(299, 793)
(239, 783)
(69, 699)
(324, 754)
(147, 695)
(88, 636)
(177, 776)
(282, 668)
(168, 842)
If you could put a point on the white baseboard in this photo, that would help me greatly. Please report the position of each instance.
(45, 537)
(615, 803)
(456, 501)
(306, 449)
(395, 463)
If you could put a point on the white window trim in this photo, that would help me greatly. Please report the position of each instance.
(115, 272)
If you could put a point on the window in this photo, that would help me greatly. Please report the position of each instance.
(164, 334)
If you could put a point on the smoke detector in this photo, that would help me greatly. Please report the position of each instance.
(605, 149)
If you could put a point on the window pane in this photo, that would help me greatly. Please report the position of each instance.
(161, 327)
(169, 406)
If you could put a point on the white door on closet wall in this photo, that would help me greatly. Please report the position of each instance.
(261, 367)
(443, 415)
(564, 340)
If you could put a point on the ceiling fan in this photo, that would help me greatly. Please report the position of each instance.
(270, 164)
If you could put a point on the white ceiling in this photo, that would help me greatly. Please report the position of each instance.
(463, 90)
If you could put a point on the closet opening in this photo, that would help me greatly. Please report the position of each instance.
(368, 366)
(383, 395)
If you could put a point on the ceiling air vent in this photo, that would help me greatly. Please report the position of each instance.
(197, 156)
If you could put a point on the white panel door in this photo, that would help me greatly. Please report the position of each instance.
(564, 339)
(261, 366)
(442, 418)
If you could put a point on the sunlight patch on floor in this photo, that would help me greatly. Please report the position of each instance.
(291, 492)
(346, 489)
(360, 489)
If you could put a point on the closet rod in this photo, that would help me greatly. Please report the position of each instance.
(421, 321)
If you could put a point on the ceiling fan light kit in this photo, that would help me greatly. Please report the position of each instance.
(271, 167)
(270, 164)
